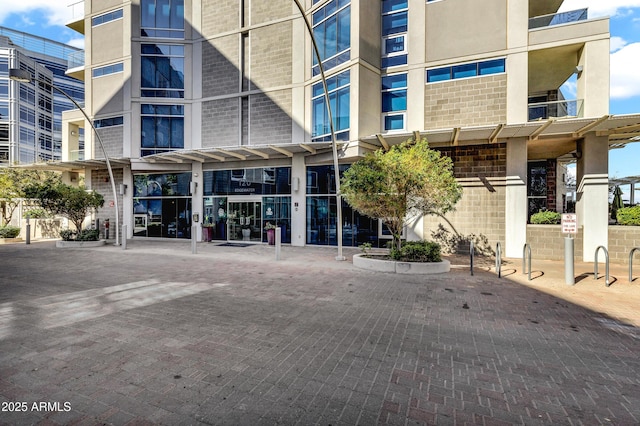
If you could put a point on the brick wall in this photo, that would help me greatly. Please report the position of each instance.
(218, 17)
(112, 138)
(477, 160)
(220, 122)
(220, 72)
(466, 102)
(270, 121)
(271, 55)
(547, 242)
(621, 240)
(265, 11)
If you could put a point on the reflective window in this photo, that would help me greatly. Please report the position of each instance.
(162, 18)
(339, 98)
(162, 71)
(332, 30)
(394, 33)
(108, 122)
(108, 69)
(394, 101)
(162, 128)
(494, 66)
(107, 17)
(261, 180)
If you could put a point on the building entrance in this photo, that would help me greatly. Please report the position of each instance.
(244, 221)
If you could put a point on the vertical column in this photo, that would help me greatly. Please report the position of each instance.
(298, 201)
(592, 205)
(196, 198)
(516, 198)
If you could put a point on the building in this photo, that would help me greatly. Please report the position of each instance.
(218, 110)
(31, 114)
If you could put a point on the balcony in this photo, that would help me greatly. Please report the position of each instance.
(555, 109)
(76, 20)
(75, 65)
(558, 19)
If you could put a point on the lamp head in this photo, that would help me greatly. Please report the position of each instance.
(22, 76)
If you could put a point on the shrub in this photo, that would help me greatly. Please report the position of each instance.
(629, 216)
(9, 232)
(36, 213)
(67, 235)
(88, 235)
(417, 251)
(451, 242)
(546, 217)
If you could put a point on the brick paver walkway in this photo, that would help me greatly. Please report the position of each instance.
(156, 335)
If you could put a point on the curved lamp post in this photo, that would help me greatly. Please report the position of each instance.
(333, 134)
(24, 76)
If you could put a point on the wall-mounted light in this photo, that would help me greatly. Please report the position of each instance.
(73, 133)
(578, 69)
(122, 189)
(192, 187)
(296, 184)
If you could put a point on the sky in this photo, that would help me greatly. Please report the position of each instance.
(46, 18)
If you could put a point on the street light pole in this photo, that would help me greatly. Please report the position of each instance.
(334, 144)
(24, 76)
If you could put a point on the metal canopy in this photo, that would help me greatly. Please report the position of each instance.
(621, 129)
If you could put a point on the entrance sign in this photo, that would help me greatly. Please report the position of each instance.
(569, 223)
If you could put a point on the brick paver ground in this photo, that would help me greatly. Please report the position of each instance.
(157, 335)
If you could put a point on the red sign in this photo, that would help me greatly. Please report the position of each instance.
(569, 223)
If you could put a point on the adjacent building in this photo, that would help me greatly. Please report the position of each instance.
(217, 109)
(31, 114)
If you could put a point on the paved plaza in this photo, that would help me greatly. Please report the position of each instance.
(229, 336)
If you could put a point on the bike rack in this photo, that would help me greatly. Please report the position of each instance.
(499, 259)
(526, 250)
(630, 262)
(595, 269)
(471, 250)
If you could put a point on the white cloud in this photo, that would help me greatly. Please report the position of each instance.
(76, 42)
(617, 43)
(56, 11)
(601, 7)
(625, 78)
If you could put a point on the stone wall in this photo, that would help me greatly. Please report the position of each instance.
(547, 242)
(112, 138)
(220, 123)
(621, 240)
(269, 117)
(220, 66)
(466, 102)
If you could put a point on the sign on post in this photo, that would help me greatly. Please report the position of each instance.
(569, 223)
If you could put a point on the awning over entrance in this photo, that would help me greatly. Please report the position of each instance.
(621, 130)
(78, 165)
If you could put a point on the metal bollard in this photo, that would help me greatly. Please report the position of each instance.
(124, 237)
(499, 259)
(569, 275)
(526, 250)
(28, 232)
(194, 243)
(278, 242)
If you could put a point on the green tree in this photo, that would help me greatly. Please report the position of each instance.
(69, 201)
(13, 183)
(406, 180)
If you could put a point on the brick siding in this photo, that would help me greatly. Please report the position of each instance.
(477, 160)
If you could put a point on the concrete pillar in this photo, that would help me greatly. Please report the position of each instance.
(516, 198)
(593, 81)
(127, 202)
(298, 201)
(592, 205)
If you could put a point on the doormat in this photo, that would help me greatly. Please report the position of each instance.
(233, 245)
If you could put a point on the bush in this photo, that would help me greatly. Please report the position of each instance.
(451, 242)
(84, 235)
(629, 216)
(35, 213)
(417, 251)
(546, 217)
(9, 232)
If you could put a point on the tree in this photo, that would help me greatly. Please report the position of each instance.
(13, 183)
(69, 201)
(407, 179)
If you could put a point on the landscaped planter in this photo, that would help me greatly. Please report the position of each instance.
(79, 244)
(378, 264)
(10, 240)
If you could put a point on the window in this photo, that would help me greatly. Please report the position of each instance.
(106, 17)
(394, 33)
(332, 29)
(338, 88)
(162, 18)
(495, 66)
(537, 187)
(162, 71)
(394, 101)
(108, 122)
(162, 128)
(108, 69)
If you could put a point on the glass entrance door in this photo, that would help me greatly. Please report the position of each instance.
(244, 221)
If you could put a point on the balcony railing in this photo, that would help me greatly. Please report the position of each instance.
(75, 60)
(76, 10)
(557, 109)
(558, 19)
(76, 155)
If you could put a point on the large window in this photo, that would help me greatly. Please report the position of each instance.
(474, 69)
(261, 180)
(537, 187)
(338, 88)
(162, 128)
(162, 70)
(332, 30)
(106, 17)
(162, 18)
(394, 32)
(394, 101)
(108, 69)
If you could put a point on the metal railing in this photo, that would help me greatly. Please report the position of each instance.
(558, 18)
(595, 267)
(526, 250)
(564, 108)
(630, 263)
(499, 259)
(75, 60)
(76, 10)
